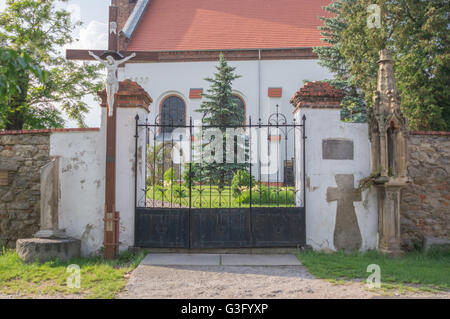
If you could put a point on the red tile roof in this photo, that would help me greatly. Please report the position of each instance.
(317, 95)
(172, 25)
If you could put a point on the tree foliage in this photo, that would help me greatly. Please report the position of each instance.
(16, 70)
(220, 110)
(330, 57)
(35, 28)
(416, 32)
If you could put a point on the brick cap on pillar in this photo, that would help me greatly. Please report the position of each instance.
(130, 94)
(317, 95)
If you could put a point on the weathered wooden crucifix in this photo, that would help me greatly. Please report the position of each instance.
(111, 83)
(111, 58)
(347, 235)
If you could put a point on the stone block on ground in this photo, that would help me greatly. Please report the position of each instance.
(40, 249)
(435, 243)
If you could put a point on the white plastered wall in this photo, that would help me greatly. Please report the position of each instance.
(125, 170)
(82, 182)
(82, 179)
(320, 175)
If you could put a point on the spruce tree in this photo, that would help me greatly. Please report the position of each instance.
(220, 111)
(218, 107)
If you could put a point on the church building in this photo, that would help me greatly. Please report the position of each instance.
(178, 44)
(164, 50)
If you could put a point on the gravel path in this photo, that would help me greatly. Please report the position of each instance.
(243, 282)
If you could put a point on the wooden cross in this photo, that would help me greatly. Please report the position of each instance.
(111, 217)
(347, 235)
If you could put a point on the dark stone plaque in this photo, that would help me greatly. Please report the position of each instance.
(337, 149)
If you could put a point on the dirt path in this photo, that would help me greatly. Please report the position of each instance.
(243, 282)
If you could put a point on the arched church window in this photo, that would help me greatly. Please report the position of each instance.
(240, 102)
(172, 113)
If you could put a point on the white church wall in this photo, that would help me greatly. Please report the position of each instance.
(125, 171)
(82, 183)
(177, 78)
(163, 79)
(324, 124)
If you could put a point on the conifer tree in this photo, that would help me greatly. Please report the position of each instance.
(219, 110)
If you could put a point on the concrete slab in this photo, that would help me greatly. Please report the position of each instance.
(220, 259)
(260, 260)
(181, 260)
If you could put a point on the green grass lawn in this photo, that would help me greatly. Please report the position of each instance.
(429, 271)
(209, 197)
(100, 278)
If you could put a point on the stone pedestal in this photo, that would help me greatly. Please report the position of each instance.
(43, 249)
(389, 219)
(50, 193)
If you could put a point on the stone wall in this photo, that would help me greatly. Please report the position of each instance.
(21, 157)
(425, 202)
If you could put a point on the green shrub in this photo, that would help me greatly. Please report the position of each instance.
(185, 176)
(282, 197)
(241, 180)
(262, 195)
(169, 176)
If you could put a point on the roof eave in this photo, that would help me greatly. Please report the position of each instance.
(134, 18)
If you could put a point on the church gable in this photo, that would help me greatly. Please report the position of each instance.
(173, 25)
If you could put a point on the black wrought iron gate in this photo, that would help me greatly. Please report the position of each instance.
(190, 201)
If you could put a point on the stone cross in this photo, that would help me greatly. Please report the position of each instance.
(347, 235)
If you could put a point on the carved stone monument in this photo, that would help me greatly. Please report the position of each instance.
(50, 190)
(49, 242)
(388, 133)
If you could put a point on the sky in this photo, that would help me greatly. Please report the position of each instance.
(93, 34)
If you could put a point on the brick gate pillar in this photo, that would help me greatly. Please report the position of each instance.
(130, 101)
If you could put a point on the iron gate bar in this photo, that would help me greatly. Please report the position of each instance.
(293, 126)
(304, 160)
(250, 161)
(163, 227)
(190, 181)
